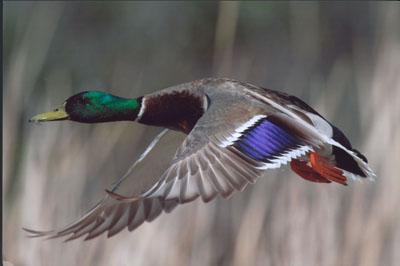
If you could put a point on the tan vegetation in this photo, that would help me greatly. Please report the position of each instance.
(343, 59)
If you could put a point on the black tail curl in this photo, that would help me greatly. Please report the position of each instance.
(343, 159)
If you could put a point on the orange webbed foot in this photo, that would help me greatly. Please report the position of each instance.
(321, 166)
(302, 169)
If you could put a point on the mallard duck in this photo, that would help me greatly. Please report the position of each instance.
(219, 136)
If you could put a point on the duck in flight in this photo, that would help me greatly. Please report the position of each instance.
(218, 136)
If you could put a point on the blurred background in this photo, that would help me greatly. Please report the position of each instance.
(341, 58)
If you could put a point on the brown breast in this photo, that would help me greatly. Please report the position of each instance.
(179, 110)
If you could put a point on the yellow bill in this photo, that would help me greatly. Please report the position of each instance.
(57, 114)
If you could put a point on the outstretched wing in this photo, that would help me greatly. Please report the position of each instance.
(231, 146)
(112, 215)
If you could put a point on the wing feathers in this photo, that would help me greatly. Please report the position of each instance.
(231, 175)
(82, 231)
(106, 220)
(152, 209)
(243, 171)
(120, 220)
(209, 171)
(204, 186)
(138, 217)
(218, 180)
(169, 205)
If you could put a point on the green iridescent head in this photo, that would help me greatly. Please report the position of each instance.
(93, 107)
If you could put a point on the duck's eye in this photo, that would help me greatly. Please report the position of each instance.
(56, 109)
(85, 100)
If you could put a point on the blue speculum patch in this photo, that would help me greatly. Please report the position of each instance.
(266, 141)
